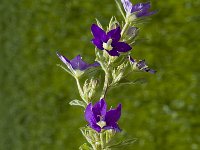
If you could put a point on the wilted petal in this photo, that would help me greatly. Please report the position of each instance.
(89, 116)
(114, 34)
(132, 32)
(127, 5)
(113, 115)
(122, 47)
(150, 70)
(99, 109)
(131, 59)
(97, 32)
(98, 43)
(141, 64)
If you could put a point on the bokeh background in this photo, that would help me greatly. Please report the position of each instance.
(163, 113)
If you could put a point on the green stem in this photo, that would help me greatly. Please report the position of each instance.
(124, 28)
(80, 90)
(106, 85)
(102, 141)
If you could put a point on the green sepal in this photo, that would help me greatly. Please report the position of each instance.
(98, 23)
(128, 82)
(85, 147)
(78, 103)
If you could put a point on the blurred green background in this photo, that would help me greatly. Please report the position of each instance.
(163, 113)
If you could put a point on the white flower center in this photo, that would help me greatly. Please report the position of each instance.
(102, 124)
(108, 45)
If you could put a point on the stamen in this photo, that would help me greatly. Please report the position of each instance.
(108, 46)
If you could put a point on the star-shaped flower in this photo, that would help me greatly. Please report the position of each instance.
(109, 41)
(77, 66)
(99, 118)
(140, 9)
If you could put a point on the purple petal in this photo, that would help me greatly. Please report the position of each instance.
(113, 52)
(114, 34)
(89, 116)
(141, 64)
(63, 58)
(95, 64)
(127, 5)
(78, 64)
(97, 32)
(99, 110)
(122, 47)
(141, 7)
(131, 59)
(149, 70)
(112, 126)
(113, 115)
(144, 14)
(98, 43)
(95, 127)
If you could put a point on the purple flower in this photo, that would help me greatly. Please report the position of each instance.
(77, 66)
(109, 41)
(140, 9)
(141, 65)
(99, 118)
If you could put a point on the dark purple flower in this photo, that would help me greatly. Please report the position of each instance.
(109, 41)
(77, 64)
(141, 65)
(140, 9)
(99, 118)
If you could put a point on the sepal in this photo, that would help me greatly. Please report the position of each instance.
(85, 147)
(113, 24)
(78, 103)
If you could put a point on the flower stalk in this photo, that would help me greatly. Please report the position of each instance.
(113, 48)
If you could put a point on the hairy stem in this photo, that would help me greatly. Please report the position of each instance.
(106, 85)
(124, 28)
(80, 90)
(102, 141)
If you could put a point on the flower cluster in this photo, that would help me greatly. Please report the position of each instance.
(113, 48)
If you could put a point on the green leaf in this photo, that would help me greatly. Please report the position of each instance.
(77, 103)
(123, 143)
(59, 65)
(98, 23)
(85, 147)
(120, 9)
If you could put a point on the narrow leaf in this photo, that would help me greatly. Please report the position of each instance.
(123, 143)
(77, 103)
(85, 147)
(98, 23)
(120, 9)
